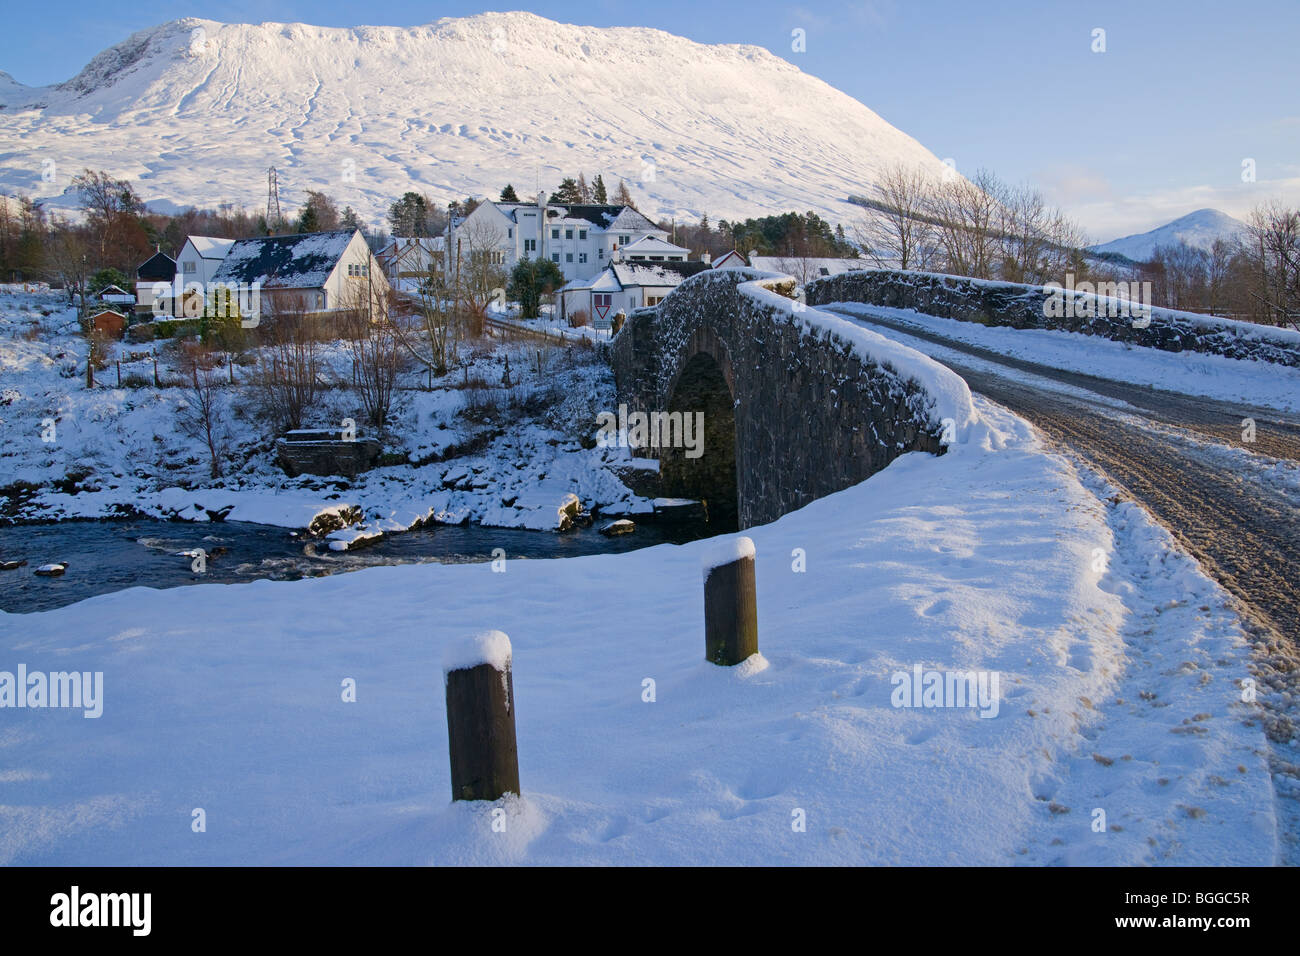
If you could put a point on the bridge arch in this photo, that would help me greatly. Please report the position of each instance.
(796, 404)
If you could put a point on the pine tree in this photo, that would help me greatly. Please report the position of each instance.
(567, 193)
(350, 220)
(598, 192)
(508, 194)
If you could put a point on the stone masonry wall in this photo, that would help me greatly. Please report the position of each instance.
(1022, 307)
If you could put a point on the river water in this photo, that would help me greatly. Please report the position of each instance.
(105, 556)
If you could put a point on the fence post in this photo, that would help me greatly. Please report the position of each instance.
(730, 602)
(481, 717)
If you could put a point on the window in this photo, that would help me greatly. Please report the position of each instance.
(624, 240)
(555, 233)
(653, 299)
(568, 234)
(824, 271)
(656, 258)
(568, 257)
(600, 253)
(510, 232)
(530, 245)
(582, 233)
(555, 257)
(189, 267)
(602, 300)
(582, 257)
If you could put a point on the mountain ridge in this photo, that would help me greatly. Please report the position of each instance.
(194, 111)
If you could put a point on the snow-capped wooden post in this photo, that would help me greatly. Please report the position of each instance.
(481, 717)
(730, 602)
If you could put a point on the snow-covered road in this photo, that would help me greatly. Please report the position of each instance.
(1230, 498)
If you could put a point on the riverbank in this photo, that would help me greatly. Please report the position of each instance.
(501, 441)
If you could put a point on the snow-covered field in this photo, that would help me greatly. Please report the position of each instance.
(1190, 373)
(1118, 663)
(126, 448)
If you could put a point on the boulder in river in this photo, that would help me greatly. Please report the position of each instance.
(621, 526)
(11, 565)
(51, 570)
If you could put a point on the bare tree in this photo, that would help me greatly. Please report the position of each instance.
(478, 265)
(202, 415)
(965, 212)
(1273, 253)
(372, 340)
(897, 232)
(288, 370)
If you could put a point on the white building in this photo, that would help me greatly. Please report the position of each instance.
(407, 260)
(580, 238)
(315, 271)
(731, 260)
(624, 286)
(654, 249)
(200, 258)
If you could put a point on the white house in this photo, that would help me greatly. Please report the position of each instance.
(200, 258)
(654, 249)
(579, 238)
(406, 259)
(316, 271)
(731, 260)
(624, 286)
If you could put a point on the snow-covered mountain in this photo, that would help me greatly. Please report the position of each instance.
(1198, 229)
(195, 111)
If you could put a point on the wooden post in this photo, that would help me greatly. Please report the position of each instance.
(481, 717)
(119, 373)
(90, 365)
(155, 372)
(730, 603)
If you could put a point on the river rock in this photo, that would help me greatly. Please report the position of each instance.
(621, 526)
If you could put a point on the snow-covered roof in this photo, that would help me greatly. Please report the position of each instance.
(809, 266)
(650, 245)
(667, 274)
(209, 247)
(730, 260)
(301, 261)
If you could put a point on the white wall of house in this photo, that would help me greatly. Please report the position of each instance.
(199, 262)
(356, 273)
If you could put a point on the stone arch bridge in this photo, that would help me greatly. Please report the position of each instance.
(795, 403)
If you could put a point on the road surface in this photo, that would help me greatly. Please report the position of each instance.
(1181, 457)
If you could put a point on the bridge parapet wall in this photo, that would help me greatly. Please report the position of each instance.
(1023, 307)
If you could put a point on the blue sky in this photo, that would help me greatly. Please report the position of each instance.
(1154, 127)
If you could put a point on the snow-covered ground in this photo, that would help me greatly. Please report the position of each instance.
(1118, 664)
(1190, 373)
(512, 454)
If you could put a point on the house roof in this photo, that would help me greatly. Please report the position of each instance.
(650, 245)
(814, 267)
(159, 267)
(302, 261)
(631, 274)
(112, 290)
(209, 247)
(607, 217)
(728, 258)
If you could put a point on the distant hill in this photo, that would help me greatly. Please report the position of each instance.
(1198, 229)
(194, 111)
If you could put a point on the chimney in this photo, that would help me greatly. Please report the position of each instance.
(705, 257)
